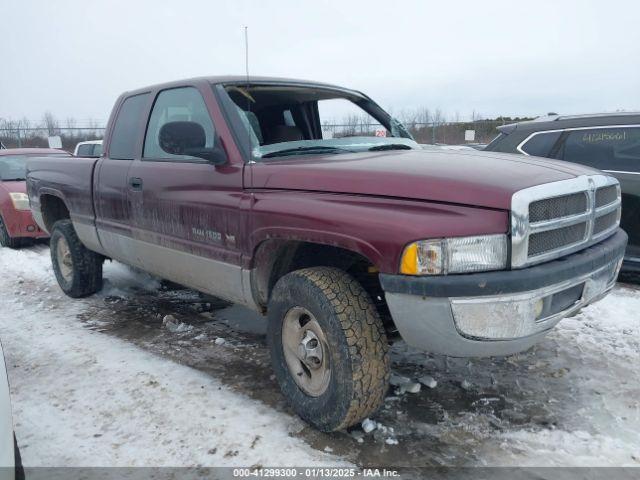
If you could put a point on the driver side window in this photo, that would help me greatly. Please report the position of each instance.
(176, 105)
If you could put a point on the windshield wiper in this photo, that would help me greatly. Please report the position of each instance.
(305, 150)
(13, 179)
(390, 146)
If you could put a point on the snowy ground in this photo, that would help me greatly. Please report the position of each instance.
(102, 381)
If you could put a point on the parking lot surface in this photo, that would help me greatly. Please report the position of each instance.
(148, 373)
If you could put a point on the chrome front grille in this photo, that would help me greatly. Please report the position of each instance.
(550, 240)
(564, 206)
(605, 222)
(552, 220)
(606, 195)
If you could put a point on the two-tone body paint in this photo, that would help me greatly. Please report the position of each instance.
(70, 180)
(201, 225)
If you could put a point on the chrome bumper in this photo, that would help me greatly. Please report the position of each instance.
(502, 323)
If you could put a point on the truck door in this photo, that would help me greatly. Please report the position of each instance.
(187, 210)
(111, 185)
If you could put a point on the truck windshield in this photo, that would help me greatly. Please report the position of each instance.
(13, 167)
(287, 120)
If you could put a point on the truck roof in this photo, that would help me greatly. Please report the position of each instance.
(223, 79)
(558, 122)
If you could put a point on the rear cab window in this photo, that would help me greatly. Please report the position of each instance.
(126, 130)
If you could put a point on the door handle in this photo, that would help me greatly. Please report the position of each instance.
(135, 183)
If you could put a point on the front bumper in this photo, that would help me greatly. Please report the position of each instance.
(500, 313)
(20, 224)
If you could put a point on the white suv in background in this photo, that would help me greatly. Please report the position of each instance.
(91, 148)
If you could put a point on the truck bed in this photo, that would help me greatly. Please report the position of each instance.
(68, 178)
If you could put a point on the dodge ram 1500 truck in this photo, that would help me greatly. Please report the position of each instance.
(234, 187)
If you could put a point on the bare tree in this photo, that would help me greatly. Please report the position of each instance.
(409, 119)
(50, 123)
(71, 125)
(438, 117)
(423, 116)
(24, 123)
(475, 116)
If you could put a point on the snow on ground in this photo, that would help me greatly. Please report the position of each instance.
(598, 355)
(573, 400)
(82, 398)
(85, 394)
(601, 363)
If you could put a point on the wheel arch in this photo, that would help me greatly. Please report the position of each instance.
(52, 209)
(273, 258)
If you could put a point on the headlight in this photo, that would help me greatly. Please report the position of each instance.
(20, 200)
(455, 255)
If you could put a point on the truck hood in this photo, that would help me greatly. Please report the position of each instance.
(484, 179)
(19, 186)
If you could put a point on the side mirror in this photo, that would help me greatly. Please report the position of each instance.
(189, 138)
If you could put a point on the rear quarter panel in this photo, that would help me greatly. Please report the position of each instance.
(68, 178)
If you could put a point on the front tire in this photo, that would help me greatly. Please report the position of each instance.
(5, 239)
(328, 347)
(77, 269)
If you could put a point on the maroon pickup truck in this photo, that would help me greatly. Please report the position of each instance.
(235, 187)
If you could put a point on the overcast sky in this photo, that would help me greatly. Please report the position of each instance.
(74, 58)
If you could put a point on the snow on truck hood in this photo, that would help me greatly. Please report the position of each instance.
(484, 179)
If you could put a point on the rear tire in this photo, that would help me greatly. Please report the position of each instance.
(77, 269)
(5, 239)
(327, 307)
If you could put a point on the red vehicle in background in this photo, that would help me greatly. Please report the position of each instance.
(17, 226)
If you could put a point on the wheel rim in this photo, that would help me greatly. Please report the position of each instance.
(306, 351)
(65, 263)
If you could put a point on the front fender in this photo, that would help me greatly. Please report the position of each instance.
(333, 239)
(376, 228)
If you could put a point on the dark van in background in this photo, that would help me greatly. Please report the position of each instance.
(609, 142)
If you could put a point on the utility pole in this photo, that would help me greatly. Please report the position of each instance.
(246, 52)
(433, 131)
